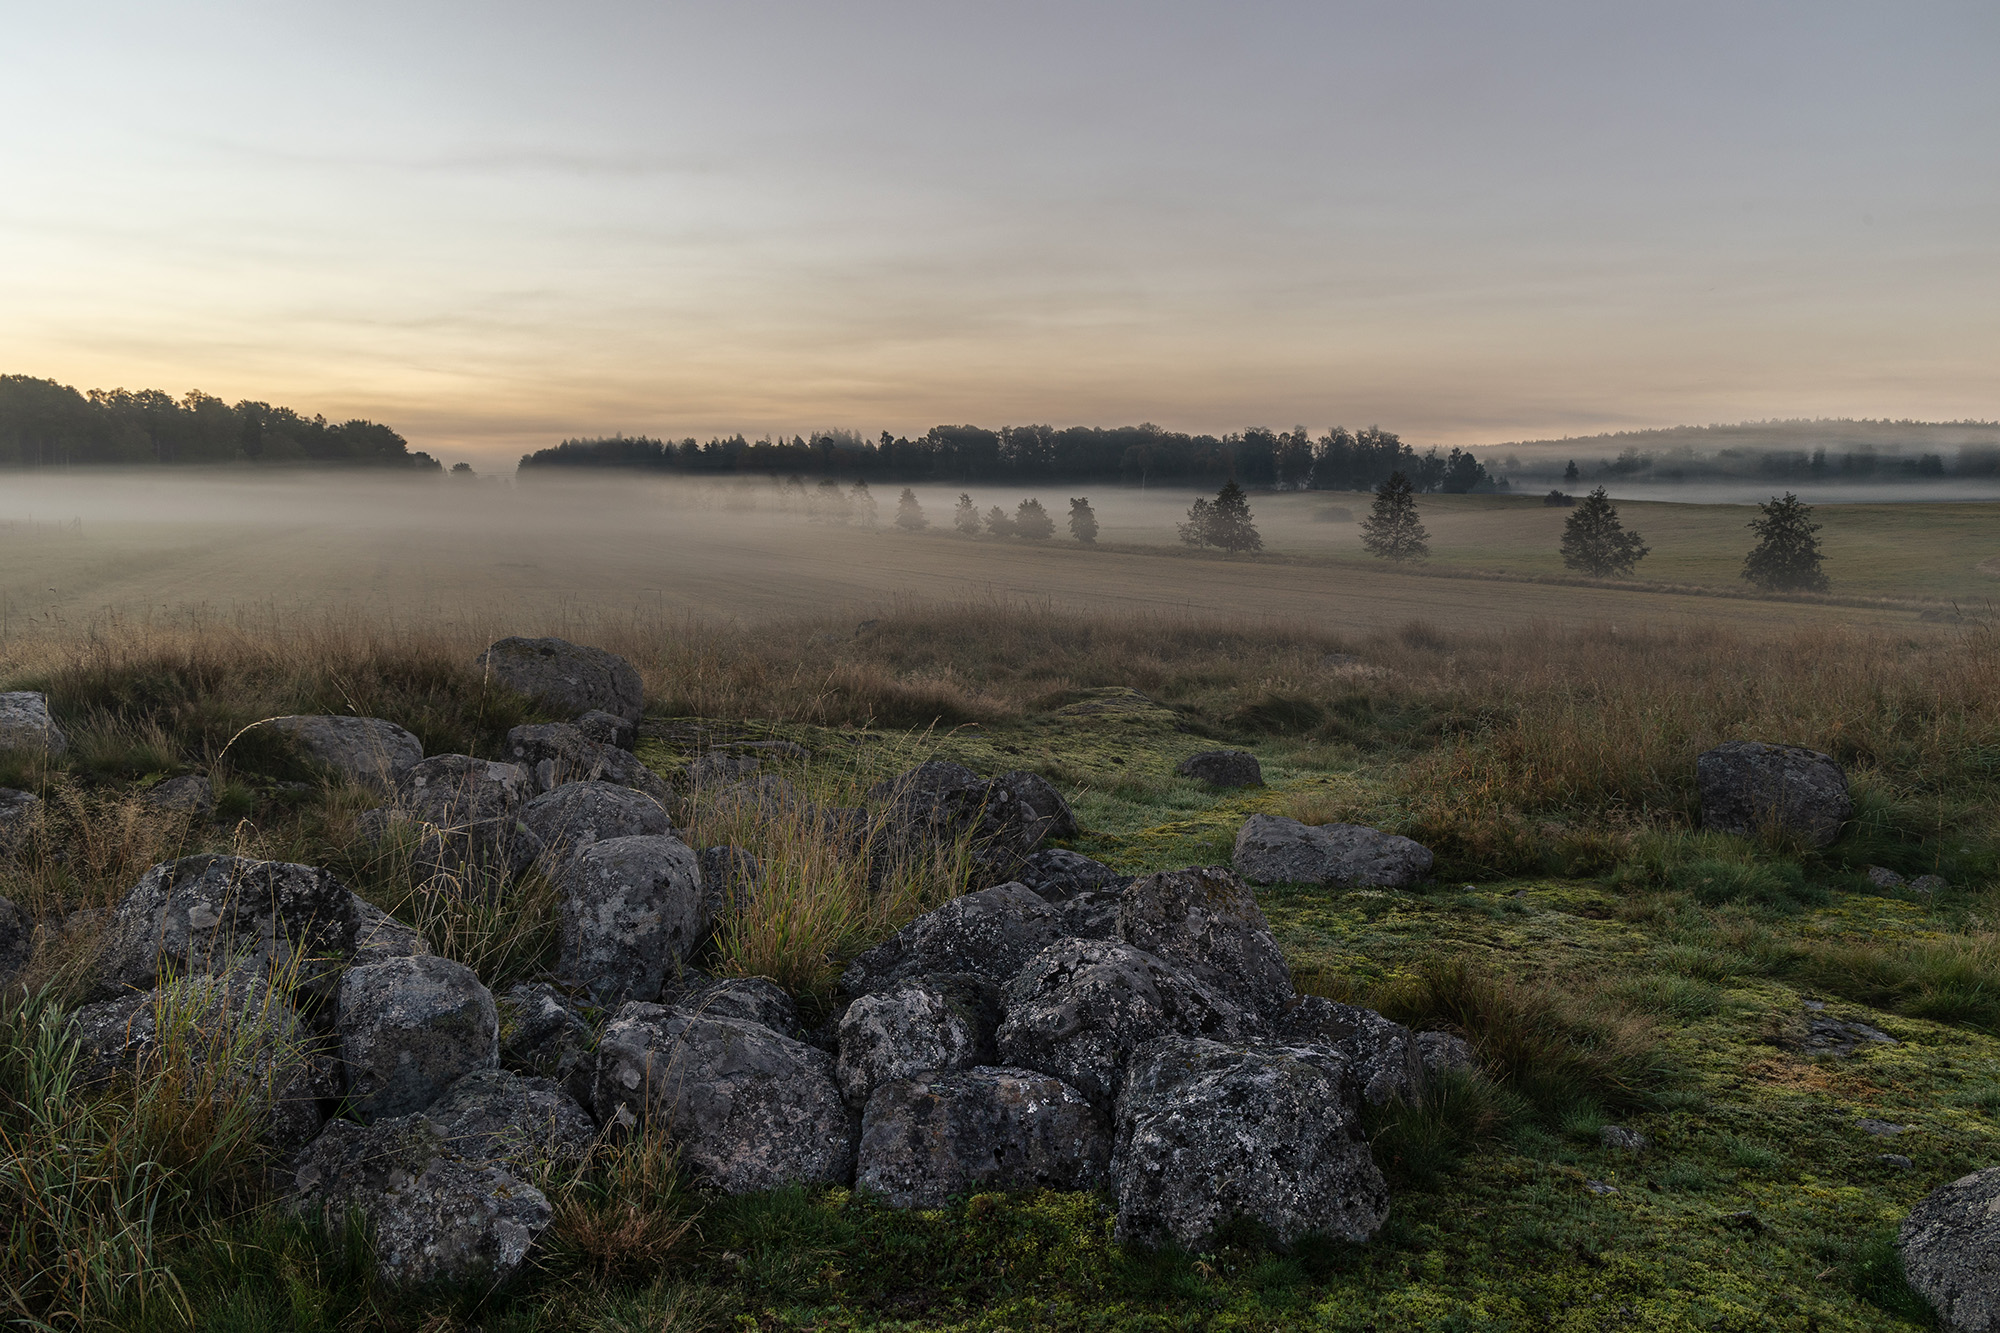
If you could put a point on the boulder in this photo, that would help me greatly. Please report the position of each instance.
(1208, 1131)
(566, 678)
(25, 724)
(1081, 1007)
(928, 1138)
(410, 1028)
(435, 1216)
(366, 751)
(205, 914)
(630, 907)
(378, 937)
(1058, 874)
(719, 768)
(607, 729)
(497, 1117)
(1443, 1052)
(1223, 768)
(1271, 849)
(750, 1109)
(1951, 1251)
(18, 812)
(1205, 922)
(231, 1031)
(191, 794)
(1092, 915)
(992, 933)
(574, 815)
(467, 810)
(1042, 800)
(542, 1034)
(554, 753)
(1750, 788)
(938, 804)
(745, 999)
(729, 877)
(914, 1027)
(1385, 1060)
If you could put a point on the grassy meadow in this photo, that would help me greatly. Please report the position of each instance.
(1611, 963)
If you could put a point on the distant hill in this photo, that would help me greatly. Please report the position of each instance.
(46, 424)
(1828, 450)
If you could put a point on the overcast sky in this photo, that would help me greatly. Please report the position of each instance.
(494, 224)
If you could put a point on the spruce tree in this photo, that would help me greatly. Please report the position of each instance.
(966, 517)
(997, 522)
(861, 501)
(1391, 530)
(1787, 555)
(1570, 473)
(1033, 522)
(1082, 520)
(1595, 542)
(1195, 532)
(1229, 524)
(910, 514)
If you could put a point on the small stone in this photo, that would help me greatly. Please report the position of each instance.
(608, 729)
(1929, 884)
(19, 811)
(1881, 1129)
(1622, 1139)
(574, 815)
(1445, 1051)
(555, 753)
(758, 1000)
(1223, 768)
(1599, 1187)
(1883, 878)
(910, 1029)
(1896, 1160)
(1950, 1244)
(1273, 850)
(192, 794)
(1385, 1058)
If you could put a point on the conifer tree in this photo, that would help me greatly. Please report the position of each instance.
(1787, 555)
(1391, 531)
(1570, 473)
(1082, 520)
(910, 514)
(1195, 531)
(861, 502)
(1595, 542)
(966, 517)
(1033, 522)
(1229, 524)
(997, 522)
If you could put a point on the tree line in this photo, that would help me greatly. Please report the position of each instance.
(1145, 455)
(46, 424)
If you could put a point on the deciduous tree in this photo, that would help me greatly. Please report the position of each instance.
(1082, 520)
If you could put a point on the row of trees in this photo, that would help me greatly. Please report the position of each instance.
(1145, 455)
(1786, 558)
(46, 424)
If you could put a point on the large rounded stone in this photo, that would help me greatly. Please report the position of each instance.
(410, 1028)
(1271, 849)
(1208, 1131)
(631, 908)
(466, 812)
(498, 1117)
(576, 814)
(553, 753)
(914, 1027)
(928, 1138)
(567, 678)
(1204, 921)
(750, 1109)
(1223, 768)
(25, 724)
(1749, 788)
(1385, 1059)
(1951, 1251)
(992, 933)
(364, 750)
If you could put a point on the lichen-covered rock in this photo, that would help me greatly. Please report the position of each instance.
(365, 750)
(1223, 768)
(914, 1027)
(1205, 922)
(497, 1117)
(939, 803)
(543, 1034)
(25, 724)
(1951, 1251)
(1271, 849)
(205, 914)
(730, 876)
(750, 1109)
(435, 1216)
(630, 908)
(17, 940)
(992, 933)
(1750, 788)
(1059, 874)
(719, 768)
(1081, 1007)
(410, 1028)
(189, 794)
(232, 1032)
(1385, 1059)
(927, 1138)
(607, 729)
(19, 810)
(554, 753)
(1207, 1131)
(576, 814)
(746, 999)
(1446, 1052)
(378, 937)
(467, 810)
(1042, 800)
(567, 678)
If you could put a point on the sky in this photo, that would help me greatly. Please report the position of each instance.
(495, 225)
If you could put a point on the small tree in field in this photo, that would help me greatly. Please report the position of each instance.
(997, 522)
(1595, 542)
(1082, 520)
(1195, 531)
(861, 501)
(966, 517)
(1787, 555)
(1033, 522)
(1391, 530)
(910, 514)
(1229, 524)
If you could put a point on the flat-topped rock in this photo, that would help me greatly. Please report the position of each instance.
(1223, 768)
(365, 750)
(567, 678)
(1271, 849)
